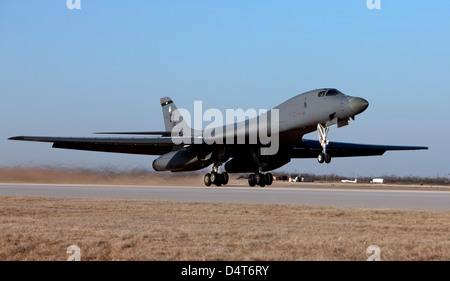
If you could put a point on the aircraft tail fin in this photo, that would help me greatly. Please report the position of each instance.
(168, 108)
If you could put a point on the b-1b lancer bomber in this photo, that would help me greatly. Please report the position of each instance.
(253, 145)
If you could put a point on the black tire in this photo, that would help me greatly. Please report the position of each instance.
(262, 181)
(269, 178)
(207, 179)
(258, 178)
(225, 178)
(214, 177)
(327, 158)
(219, 180)
(321, 158)
(252, 180)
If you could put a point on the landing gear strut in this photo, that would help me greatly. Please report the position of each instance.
(323, 133)
(215, 177)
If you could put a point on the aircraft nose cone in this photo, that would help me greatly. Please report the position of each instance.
(358, 105)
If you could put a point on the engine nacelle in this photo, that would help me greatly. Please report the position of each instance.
(181, 160)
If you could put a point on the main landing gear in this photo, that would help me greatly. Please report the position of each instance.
(215, 177)
(260, 179)
(323, 133)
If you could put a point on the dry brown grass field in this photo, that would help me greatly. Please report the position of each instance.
(43, 228)
(89, 176)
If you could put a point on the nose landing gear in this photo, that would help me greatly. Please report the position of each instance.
(324, 158)
(323, 133)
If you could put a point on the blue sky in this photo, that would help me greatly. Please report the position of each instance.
(104, 67)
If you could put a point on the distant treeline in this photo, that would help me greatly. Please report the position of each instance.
(143, 176)
(390, 179)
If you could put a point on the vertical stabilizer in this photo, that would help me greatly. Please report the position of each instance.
(168, 108)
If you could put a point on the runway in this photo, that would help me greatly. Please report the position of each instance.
(397, 199)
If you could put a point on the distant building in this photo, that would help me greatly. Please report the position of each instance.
(377, 180)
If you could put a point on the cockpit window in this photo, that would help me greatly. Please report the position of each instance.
(332, 93)
(329, 93)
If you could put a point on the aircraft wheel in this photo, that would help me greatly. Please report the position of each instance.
(269, 178)
(321, 158)
(260, 179)
(251, 180)
(327, 158)
(219, 180)
(207, 179)
(225, 178)
(214, 178)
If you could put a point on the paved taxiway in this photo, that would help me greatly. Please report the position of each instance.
(403, 199)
